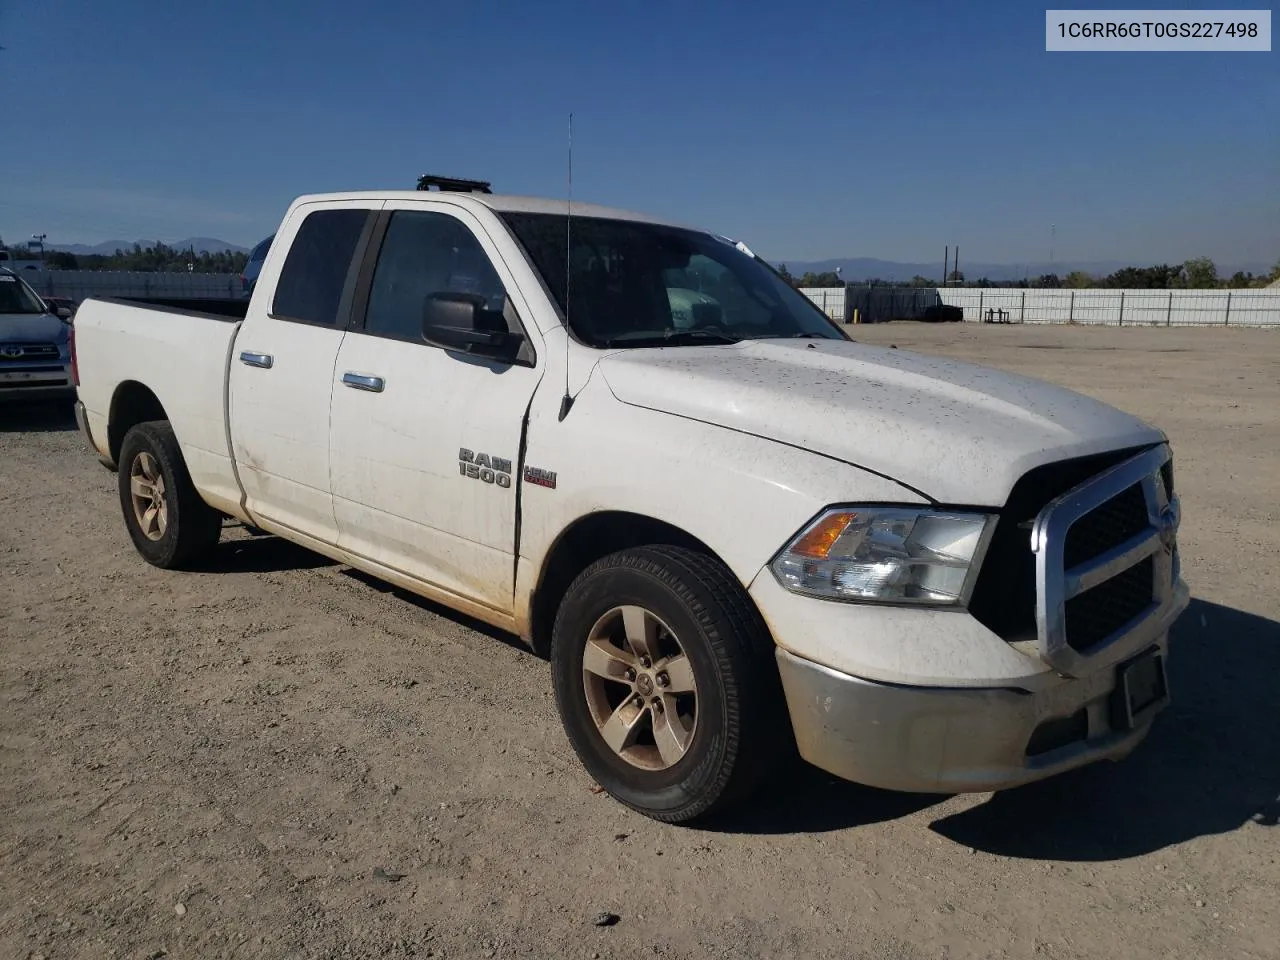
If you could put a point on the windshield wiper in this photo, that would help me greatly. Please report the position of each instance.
(699, 336)
(675, 338)
(803, 335)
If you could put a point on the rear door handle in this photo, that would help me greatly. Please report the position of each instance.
(251, 359)
(358, 381)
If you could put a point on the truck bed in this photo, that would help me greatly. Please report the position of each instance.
(212, 308)
(166, 357)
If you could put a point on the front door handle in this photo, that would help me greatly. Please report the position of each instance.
(358, 381)
(251, 359)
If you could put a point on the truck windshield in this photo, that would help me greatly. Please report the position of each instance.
(635, 284)
(17, 297)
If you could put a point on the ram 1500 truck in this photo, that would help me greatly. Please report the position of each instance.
(734, 530)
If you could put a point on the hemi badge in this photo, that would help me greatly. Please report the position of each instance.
(543, 478)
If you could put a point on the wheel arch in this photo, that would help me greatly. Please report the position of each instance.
(131, 404)
(586, 540)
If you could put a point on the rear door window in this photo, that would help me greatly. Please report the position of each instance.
(319, 272)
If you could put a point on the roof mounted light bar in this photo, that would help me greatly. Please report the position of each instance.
(429, 181)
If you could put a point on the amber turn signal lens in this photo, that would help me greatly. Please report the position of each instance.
(818, 541)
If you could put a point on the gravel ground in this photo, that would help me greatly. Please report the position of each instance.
(279, 757)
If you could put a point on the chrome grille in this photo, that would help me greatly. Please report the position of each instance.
(1093, 616)
(1105, 560)
(27, 352)
(1120, 518)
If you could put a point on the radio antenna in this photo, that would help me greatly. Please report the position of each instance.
(567, 402)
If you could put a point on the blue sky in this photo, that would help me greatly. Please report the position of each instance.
(811, 130)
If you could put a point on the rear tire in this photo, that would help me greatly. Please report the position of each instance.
(666, 682)
(168, 522)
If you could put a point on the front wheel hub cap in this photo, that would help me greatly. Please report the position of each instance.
(640, 689)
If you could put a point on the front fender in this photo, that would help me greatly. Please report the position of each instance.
(741, 495)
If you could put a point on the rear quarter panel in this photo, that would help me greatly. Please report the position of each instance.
(179, 357)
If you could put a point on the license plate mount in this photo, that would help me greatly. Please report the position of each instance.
(1142, 690)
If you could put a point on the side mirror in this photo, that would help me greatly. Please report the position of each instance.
(64, 313)
(459, 321)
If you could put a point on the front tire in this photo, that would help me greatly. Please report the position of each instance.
(168, 522)
(666, 682)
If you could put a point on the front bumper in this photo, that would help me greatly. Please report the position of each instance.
(39, 392)
(43, 379)
(956, 740)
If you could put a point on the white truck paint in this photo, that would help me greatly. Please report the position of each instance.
(432, 468)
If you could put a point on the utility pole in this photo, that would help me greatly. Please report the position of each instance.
(37, 240)
(1053, 235)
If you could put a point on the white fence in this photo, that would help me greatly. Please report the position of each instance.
(1138, 308)
(1161, 308)
(830, 300)
(78, 284)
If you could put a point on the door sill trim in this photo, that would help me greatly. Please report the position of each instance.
(464, 605)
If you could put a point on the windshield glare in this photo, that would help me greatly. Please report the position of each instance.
(17, 297)
(637, 284)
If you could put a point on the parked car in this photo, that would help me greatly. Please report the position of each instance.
(35, 346)
(730, 532)
(253, 266)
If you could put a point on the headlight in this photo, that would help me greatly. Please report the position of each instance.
(889, 554)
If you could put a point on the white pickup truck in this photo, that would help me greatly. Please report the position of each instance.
(735, 531)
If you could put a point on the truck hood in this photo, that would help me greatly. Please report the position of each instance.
(32, 328)
(955, 432)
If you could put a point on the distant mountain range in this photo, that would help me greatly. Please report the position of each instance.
(854, 269)
(198, 244)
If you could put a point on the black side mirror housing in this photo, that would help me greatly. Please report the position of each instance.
(459, 321)
(64, 313)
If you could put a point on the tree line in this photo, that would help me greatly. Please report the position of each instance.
(1198, 273)
(158, 258)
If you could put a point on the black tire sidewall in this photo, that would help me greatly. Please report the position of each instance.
(697, 779)
(156, 438)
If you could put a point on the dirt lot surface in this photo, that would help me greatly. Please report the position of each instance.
(214, 764)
